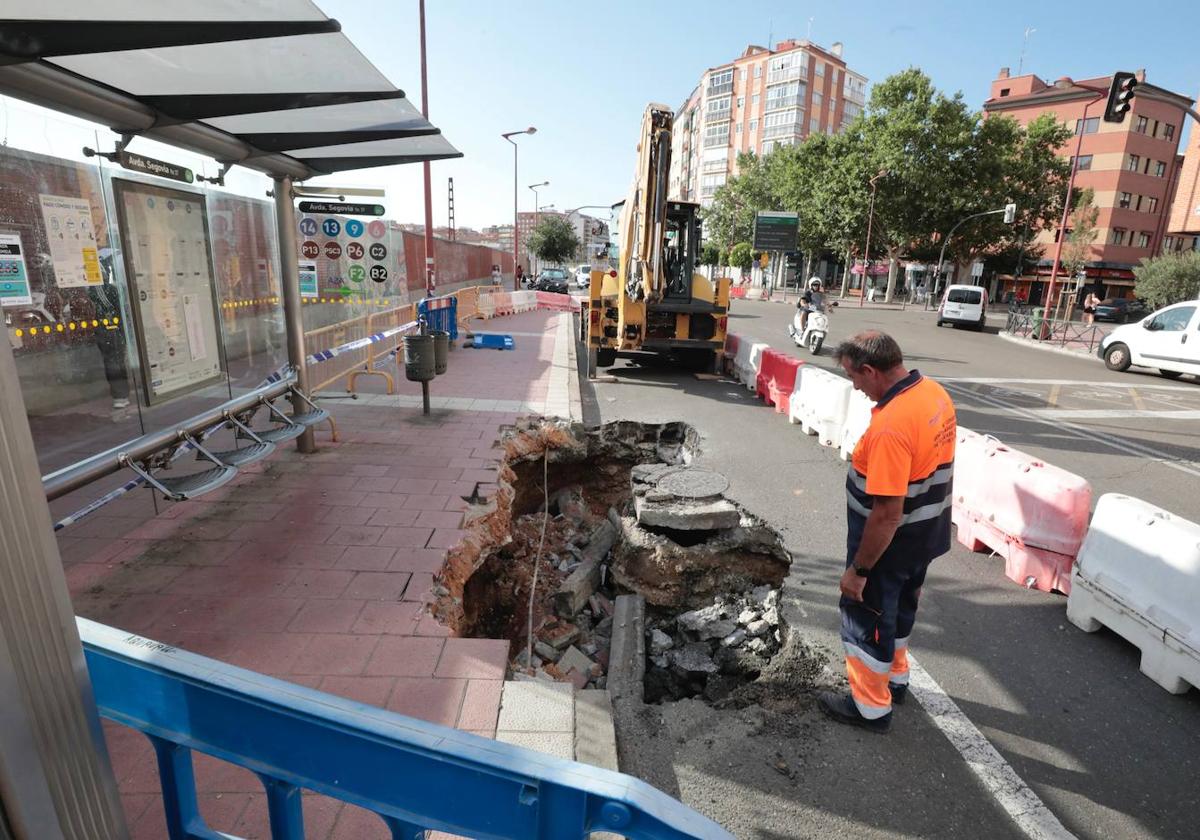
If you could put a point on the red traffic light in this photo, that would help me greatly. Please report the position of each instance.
(1120, 97)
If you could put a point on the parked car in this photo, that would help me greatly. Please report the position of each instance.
(1122, 310)
(1168, 339)
(553, 280)
(583, 276)
(963, 305)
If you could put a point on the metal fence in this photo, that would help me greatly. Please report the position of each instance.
(1032, 326)
(416, 776)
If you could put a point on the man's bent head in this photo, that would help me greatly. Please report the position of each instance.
(873, 361)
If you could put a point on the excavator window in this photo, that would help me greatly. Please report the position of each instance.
(680, 252)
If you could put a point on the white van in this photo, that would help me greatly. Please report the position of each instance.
(963, 305)
(1168, 339)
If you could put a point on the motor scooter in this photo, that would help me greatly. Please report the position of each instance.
(811, 335)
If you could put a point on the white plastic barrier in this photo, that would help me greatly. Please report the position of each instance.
(796, 402)
(858, 418)
(732, 343)
(824, 398)
(524, 301)
(749, 374)
(1138, 574)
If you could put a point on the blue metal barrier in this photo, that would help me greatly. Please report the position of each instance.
(416, 776)
(440, 313)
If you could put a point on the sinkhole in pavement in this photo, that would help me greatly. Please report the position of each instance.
(624, 510)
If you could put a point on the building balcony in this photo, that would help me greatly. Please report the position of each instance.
(779, 103)
(711, 166)
(792, 129)
(787, 74)
(718, 114)
(714, 142)
(719, 90)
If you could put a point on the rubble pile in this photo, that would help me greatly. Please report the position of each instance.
(713, 650)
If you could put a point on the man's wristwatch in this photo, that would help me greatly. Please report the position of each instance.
(861, 571)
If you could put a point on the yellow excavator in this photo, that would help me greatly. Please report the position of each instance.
(654, 301)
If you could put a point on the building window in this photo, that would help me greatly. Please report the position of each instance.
(743, 74)
(738, 130)
(817, 100)
(1134, 162)
(1168, 244)
(1004, 91)
(1141, 125)
(720, 82)
(1117, 237)
(1085, 163)
(850, 111)
(1160, 169)
(814, 124)
(1151, 204)
(820, 68)
(1143, 240)
(757, 71)
(753, 125)
(1089, 126)
(741, 101)
(1168, 131)
(1124, 200)
(754, 99)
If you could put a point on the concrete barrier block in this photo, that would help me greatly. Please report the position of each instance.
(1138, 573)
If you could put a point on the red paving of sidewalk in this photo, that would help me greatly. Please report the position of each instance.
(316, 569)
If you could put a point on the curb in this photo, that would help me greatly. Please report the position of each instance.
(1062, 351)
(574, 390)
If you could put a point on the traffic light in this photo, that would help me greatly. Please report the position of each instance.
(1120, 97)
(1010, 213)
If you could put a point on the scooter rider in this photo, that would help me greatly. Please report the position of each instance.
(813, 300)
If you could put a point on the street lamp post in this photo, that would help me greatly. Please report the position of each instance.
(1009, 212)
(535, 188)
(516, 240)
(867, 245)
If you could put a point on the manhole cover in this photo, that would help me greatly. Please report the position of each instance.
(693, 483)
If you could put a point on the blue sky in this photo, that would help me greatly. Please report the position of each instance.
(583, 72)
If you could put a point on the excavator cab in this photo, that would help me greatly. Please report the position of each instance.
(682, 249)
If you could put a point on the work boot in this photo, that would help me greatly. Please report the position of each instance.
(899, 693)
(841, 708)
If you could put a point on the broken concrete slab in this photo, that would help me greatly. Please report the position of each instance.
(717, 629)
(627, 664)
(666, 511)
(660, 642)
(583, 582)
(576, 659)
(693, 658)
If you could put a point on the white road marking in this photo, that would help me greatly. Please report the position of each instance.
(1082, 382)
(1125, 446)
(1116, 413)
(1017, 799)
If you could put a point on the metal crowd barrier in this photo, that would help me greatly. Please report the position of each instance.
(378, 323)
(416, 776)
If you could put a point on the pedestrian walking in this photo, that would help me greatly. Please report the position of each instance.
(898, 496)
(497, 278)
(520, 282)
(1089, 307)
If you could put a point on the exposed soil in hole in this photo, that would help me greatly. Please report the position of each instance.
(622, 513)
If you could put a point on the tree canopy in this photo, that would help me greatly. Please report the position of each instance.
(942, 163)
(741, 256)
(554, 240)
(1169, 279)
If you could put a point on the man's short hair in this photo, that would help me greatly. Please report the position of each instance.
(870, 347)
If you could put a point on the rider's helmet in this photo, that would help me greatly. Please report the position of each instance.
(814, 283)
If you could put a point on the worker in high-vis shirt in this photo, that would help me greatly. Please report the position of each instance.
(898, 496)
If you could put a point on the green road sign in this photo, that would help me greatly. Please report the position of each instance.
(775, 231)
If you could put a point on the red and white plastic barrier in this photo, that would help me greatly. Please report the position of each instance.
(1032, 514)
(1138, 574)
(556, 302)
(776, 378)
(858, 418)
(820, 405)
(732, 342)
(485, 304)
(525, 301)
(504, 302)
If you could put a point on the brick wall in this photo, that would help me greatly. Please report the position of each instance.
(458, 263)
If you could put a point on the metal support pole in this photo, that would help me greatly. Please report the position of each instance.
(1062, 226)
(867, 248)
(429, 247)
(285, 222)
(55, 777)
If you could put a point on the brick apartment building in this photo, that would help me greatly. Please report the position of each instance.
(1132, 167)
(761, 100)
(1183, 224)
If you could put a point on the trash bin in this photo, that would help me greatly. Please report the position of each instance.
(441, 350)
(1037, 319)
(419, 358)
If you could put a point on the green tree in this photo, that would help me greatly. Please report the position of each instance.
(730, 217)
(1082, 225)
(741, 256)
(554, 240)
(710, 254)
(1169, 279)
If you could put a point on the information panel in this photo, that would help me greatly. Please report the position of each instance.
(72, 240)
(164, 236)
(775, 231)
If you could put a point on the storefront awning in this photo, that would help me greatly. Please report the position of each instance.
(273, 85)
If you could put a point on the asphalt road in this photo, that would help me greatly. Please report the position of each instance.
(1110, 753)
